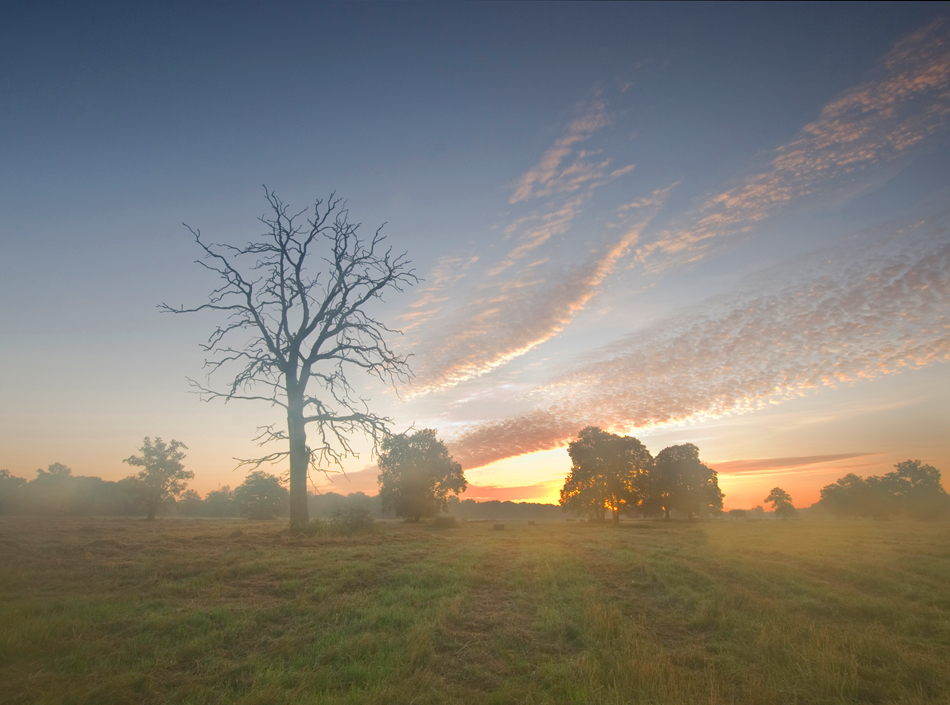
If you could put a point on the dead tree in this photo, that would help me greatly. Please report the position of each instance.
(296, 302)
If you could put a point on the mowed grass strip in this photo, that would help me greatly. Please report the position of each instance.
(227, 611)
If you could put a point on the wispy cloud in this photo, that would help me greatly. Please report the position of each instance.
(525, 299)
(767, 465)
(516, 315)
(551, 174)
(876, 122)
(841, 317)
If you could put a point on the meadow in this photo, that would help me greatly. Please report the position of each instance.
(233, 611)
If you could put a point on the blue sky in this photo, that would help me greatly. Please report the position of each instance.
(720, 224)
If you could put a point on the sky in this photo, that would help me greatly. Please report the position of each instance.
(725, 225)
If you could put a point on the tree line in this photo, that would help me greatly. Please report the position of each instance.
(913, 489)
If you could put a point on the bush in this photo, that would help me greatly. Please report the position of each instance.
(445, 522)
(351, 517)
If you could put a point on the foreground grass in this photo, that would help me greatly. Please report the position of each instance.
(221, 611)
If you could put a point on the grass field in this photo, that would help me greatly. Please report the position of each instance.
(222, 611)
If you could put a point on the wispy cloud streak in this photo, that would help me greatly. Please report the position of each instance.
(768, 465)
(525, 301)
(877, 314)
(871, 124)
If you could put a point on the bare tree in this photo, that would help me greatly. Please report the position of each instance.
(297, 302)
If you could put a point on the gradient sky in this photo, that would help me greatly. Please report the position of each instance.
(720, 224)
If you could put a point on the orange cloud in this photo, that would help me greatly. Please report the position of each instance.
(770, 465)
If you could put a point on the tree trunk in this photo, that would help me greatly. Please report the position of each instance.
(150, 516)
(299, 460)
(616, 513)
(667, 511)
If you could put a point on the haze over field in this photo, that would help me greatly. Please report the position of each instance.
(720, 225)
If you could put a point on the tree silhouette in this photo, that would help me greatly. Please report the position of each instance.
(681, 481)
(608, 472)
(297, 302)
(162, 476)
(417, 475)
(781, 503)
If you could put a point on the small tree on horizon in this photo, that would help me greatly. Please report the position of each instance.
(417, 474)
(162, 476)
(261, 496)
(781, 502)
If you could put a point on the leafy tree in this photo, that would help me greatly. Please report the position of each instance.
(162, 477)
(417, 474)
(10, 492)
(261, 496)
(297, 300)
(54, 472)
(190, 504)
(220, 503)
(917, 489)
(681, 481)
(608, 472)
(781, 504)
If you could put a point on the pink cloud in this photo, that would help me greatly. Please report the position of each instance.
(840, 318)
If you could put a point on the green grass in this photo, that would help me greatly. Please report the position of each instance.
(222, 611)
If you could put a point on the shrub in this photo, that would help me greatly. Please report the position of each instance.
(351, 517)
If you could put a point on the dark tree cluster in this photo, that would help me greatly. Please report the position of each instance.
(913, 489)
(617, 474)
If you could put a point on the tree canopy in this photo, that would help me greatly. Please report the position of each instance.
(260, 496)
(912, 488)
(162, 477)
(781, 503)
(681, 481)
(296, 303)
(417, 474)
(608, 472)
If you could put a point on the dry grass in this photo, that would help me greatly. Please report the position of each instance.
(229, 611)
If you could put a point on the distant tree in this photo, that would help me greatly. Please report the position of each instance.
(299, 301)
(608, 472)
(162, 477)
(190, 504)
(848, 496)
(417, 474)
(261, 496)
(55, 471)
(913, 488)
(10, 492)
(781, 504)
(917, 490)
(220, 503)
(681, 481)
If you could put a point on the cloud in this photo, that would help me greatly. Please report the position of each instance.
(876, 307)
(514, 316)
(876, 122)
(550, 175)
(525, 299)
(769, 465)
